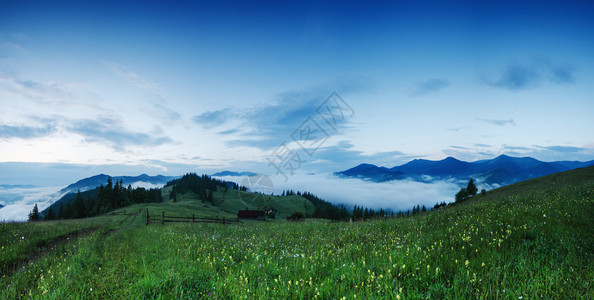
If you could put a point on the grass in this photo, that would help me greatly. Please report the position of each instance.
(530, 240)
(229, 202)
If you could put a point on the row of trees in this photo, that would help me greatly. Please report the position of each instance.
(324, 209)
(101, 200)
(327, 210)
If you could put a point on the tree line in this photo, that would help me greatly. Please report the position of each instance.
(98, 201)
(324, 209)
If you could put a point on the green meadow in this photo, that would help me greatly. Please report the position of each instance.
(529, 240)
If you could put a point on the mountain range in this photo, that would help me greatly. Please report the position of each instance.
(502, 170)
(234, 174)
(97, 180)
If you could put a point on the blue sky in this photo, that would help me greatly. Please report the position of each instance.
(172, 87)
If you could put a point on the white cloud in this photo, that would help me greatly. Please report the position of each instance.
(18, 208)
(395, 195)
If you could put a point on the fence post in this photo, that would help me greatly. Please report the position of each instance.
(163, 218)
(193, 219)
(147, 217)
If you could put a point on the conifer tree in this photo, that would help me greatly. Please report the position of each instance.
(79, 206)
(471, 188)
(34, 215)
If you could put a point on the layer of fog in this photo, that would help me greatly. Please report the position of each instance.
(393, 195)
(18, 202)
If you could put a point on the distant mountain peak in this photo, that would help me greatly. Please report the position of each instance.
(450, 158)
(503, 156)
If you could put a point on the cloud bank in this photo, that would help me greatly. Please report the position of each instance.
(20, 201)
(395, 195)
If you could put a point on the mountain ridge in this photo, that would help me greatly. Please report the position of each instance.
(92, 182)
(501, 170)
(234, 174)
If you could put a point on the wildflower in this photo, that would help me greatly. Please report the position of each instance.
(466, 263)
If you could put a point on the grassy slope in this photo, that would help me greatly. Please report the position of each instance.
(228, 203)
(530, 240)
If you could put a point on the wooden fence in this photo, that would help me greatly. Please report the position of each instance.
(193, 219)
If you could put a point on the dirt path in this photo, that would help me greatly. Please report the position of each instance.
(121, 225)
(49, 247)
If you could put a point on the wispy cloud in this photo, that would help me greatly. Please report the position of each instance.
(230, 131)
(158, 108)
(267, 125)
(431, 86)
(456, 129)
(460, 147)
(210, 119)
(563, 149)
(525, 76)
(500, 122)
(130, 77)
(111, 132)
(25, 132)
(34, 90)
(343, 155)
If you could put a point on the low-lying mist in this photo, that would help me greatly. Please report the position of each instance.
(20, 201)
(394, 195)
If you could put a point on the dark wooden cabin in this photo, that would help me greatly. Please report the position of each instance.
(252, 214)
